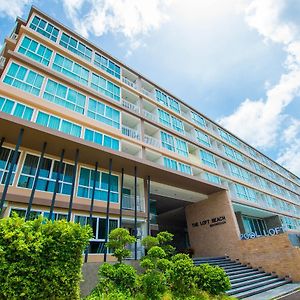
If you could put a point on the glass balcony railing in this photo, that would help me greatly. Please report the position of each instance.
(149, 115)
(131, 132)
(129, 202)
(130, 106)
(151, 141)
(129, 82)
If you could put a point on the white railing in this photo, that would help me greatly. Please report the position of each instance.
(14, 36)
(149, 115)
(191, 136)
(130, 106)
(129, 202)
(129, 82)
(131, 132)
(151, 141)
(2, 61)
(147, 93)
(187, 115)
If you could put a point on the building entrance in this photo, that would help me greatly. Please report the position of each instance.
(168, 214)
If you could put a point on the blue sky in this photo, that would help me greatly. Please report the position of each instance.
(237, 61)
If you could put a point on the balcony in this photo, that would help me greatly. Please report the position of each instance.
(151, 141)
(130, 106)
(150, 116)
(14, 36)
(147, 93)
(131, 132)
(2, 61)
(129, 203)
(129, 82)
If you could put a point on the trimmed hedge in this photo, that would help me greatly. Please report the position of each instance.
(41, 259)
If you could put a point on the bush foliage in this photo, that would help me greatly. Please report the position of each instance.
(166, 276)
(41, 259)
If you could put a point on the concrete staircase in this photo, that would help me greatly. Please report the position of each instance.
(245, 281)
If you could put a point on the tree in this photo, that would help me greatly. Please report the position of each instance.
(119, 238)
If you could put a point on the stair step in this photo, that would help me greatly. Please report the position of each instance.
(251, 281)
(212, 262)
(210, 258)
(242, 275)
(234, 267)
(253, 286)
(262, 289)
(240, 271)
(249, 277)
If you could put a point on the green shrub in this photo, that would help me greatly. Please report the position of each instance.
(182, 275)
(153, 284)
(119, 278)
(149, 242)
(212, 279)
(119, 238)
(41, 259)
(163, 240)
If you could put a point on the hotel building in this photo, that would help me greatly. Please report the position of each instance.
(77, 124)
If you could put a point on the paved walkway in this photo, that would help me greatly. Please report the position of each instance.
(277, 292)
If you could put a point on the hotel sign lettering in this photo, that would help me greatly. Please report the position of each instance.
(269, 232)
(210, 222)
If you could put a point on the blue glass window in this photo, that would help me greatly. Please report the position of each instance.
(181, 147)
(239, 173)
(167, 141)
(178, 166)
(167, 101)
(35, 51)
(101, 139)
(174, 144)
(164, 118)
(229, 138)
(177, 124)
(16, 109)
(45, 28)
(107, 65)
(203, 138)
(198, 119)
(103, 113)
(245, 193)
(24, 79)
(58, 124)
(71, 69)
(86, 183)
(212, 178)
(76, 47)
(235, 155)
(105, 87)
(184, 168)
(47, 176)
(6, 156)
(170, 121)
(208, 159)
(64, 96)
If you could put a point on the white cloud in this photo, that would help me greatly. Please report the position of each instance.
(291, 132)
(263, 122)
(131, 18)
(13, 8)
(289, 157)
